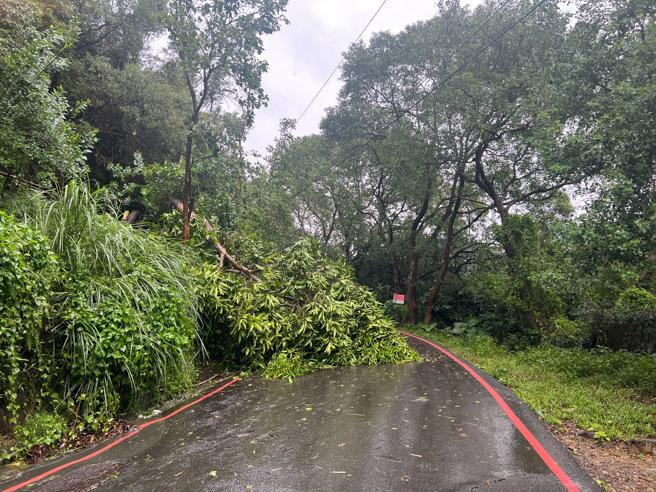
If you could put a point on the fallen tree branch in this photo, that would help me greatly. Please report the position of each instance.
(33, 186)
(217, 245)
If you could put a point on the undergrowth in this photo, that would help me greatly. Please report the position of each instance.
(600, 390)
(96, 317)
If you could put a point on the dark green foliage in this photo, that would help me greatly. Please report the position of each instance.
(26, 266)
(306, 305)
(398, 312)
(112, 328)
(37, 143)
(135, 109)
(621, 328)
(126, 353)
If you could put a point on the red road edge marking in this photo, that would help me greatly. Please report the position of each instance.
(544, 454)
(127, 436)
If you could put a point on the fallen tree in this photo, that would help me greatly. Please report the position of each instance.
(223, 254)
(306, 311)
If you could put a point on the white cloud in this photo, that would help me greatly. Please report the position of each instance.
(303, 54)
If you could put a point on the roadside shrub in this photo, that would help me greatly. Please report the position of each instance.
(622, 327)
(39, 429)
(26, 264)
(636, 299)
(124, 311)
(398, 312)
(305, 305)
(565, 333)
(610, 368)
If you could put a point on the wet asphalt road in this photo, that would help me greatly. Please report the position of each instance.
(426, 426)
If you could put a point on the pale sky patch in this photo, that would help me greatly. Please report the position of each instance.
(303, 54)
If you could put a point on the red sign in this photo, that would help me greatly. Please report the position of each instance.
(398, 299)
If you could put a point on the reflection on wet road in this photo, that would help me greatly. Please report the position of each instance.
(415, 426)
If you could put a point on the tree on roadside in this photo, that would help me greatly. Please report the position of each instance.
(215, 46)
(466, 123)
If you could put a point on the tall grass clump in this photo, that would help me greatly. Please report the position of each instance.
(123, 315)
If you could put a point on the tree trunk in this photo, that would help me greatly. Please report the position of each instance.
(439, 281)
(411, 290)
(187, 197)
(397, 279)
(456, 198)
(525, 311)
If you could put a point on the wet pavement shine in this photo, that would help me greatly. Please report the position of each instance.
(425, 426)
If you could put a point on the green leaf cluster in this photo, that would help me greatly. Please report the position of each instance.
(305, 305)
(37, 141)
(26, 264)
(124, 309)
(107, 325)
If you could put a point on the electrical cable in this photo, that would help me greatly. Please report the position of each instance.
(396, 119)
(340, 63)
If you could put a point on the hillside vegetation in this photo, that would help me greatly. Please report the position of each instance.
(496, 165)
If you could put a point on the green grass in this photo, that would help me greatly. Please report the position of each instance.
(604, 392)
(122, 307)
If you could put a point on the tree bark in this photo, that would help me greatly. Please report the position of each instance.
(411, 290)
(217, 245)
(525, 312)
(411, 283)
(187, 197)
(397, 279)
(456, 198)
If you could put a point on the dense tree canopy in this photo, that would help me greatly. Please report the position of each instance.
(456, 146)
(497, 165)
(38, 141)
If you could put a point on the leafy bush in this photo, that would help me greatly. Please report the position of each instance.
(37, 140)
(305, 305)
(636, 299)
(565, 333)
(622, 327)
(502, 327)
(39, 429)
(26, 261)
(398, 312)
(124, 311)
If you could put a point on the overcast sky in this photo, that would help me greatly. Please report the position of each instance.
(303, 54)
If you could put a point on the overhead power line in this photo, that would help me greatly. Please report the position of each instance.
(396, 119)
(340, 63)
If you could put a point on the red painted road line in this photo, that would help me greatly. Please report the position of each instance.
(544, 454)
(131, 434)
